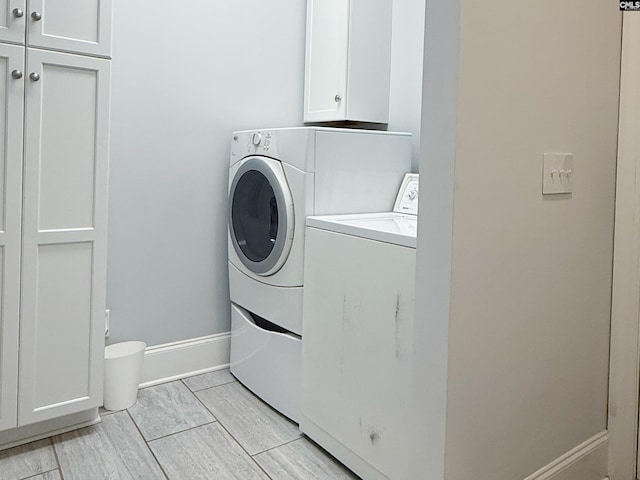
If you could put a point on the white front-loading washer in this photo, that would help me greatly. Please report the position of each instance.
(277, 178)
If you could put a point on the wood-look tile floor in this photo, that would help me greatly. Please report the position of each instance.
(207, 427)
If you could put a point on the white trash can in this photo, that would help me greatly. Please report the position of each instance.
(122, 373)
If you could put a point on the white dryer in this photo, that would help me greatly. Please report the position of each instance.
(277, 178)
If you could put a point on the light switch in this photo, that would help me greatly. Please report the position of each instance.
(558, 173)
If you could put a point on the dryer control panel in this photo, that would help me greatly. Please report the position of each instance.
(255, 142)
(407, 199)
(259, 141)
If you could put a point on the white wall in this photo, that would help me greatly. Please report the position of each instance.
(433, 257)
(624, 455)
(528, 333)
(184, 77)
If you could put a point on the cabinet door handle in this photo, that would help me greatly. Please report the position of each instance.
(37, 16)
(34, 77)
(17, 12)
(17, 74)
(337, 98)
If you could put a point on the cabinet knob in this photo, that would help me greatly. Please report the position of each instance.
(17, 13)
(37, 16)
(34, 77)
(17, 74)
(337, 98)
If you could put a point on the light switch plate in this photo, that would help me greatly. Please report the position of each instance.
(558, 173)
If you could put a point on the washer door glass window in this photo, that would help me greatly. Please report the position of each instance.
(259, 220)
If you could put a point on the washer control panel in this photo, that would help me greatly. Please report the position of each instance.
(407, 199)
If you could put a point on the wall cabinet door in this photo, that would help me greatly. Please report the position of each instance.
(12, 21)
(81, 26)
(326, 60)
(63, 235)
(11, 107)
(348, 61)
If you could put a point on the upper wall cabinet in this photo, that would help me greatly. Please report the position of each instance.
(77, 26)
(348, 61)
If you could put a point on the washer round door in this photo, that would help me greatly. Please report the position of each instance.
(261, 215)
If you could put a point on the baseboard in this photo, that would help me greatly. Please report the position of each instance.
(588, 461)
(172, 361)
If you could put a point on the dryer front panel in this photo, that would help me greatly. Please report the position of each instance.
(261, 223)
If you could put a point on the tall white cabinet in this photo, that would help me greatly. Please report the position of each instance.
(54, 102)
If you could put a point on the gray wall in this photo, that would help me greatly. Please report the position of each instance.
(184, 77)
(407, 45)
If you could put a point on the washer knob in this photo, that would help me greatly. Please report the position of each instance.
(256, 138)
